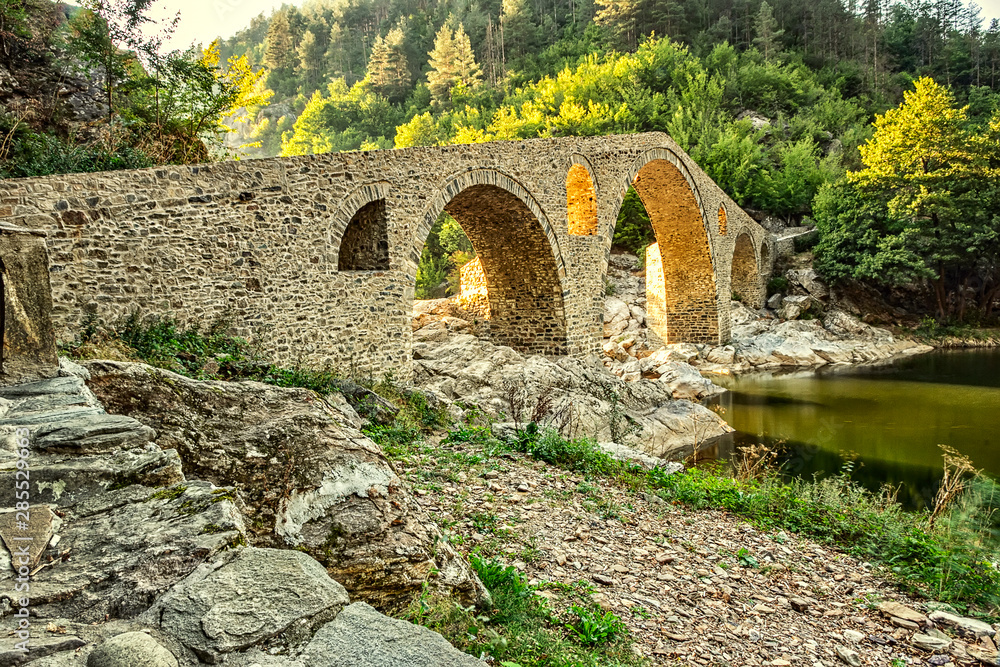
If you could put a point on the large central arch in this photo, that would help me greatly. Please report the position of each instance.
(519, 254)
(681, 287)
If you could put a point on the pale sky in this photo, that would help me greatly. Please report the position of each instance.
(204, 20)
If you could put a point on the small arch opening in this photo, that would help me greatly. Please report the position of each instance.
(581, 202)
(723, 220)
(365, 244)
(745, 280)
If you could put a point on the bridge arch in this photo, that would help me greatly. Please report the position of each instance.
(521, 262)
(360, 230)
(681, 285)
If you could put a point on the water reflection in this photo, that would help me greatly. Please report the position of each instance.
(890, 418)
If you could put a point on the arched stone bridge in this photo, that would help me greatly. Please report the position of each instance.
(316, 256)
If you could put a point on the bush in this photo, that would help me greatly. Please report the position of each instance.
(777, 285)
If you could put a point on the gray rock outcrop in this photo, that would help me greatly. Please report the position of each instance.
(307, 478)
(465, 369)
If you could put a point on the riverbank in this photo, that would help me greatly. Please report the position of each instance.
(700, 569)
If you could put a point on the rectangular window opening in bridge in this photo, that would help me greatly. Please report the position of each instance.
(365, 245)
(581, 202)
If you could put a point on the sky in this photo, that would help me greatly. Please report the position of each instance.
(204, 20)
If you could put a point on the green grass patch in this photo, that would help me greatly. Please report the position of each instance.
(522, 628)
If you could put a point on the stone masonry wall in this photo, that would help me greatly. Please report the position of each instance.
(259, 243)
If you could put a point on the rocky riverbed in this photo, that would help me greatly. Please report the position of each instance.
(798, 330)
(183, 522)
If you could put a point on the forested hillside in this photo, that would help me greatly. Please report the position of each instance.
(771, 100)
(796, 109)
(774, 99)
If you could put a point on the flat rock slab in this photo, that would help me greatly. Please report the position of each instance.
(362, 637)
(967, 626)
(119, 550)
(66, 480)
(40, 645)
(62, 414)
(26, 534)
(246, 597)
(892, 608)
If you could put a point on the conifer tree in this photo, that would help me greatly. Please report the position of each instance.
(621, 16)
(467, 70)
(311, 53)
(520, 32)
(441, 77)
(388, 70)
(766, 28)
(279, 54)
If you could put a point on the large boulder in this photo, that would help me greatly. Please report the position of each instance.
(245, 598)
(362, 637)
(808, 280)
(467, 370)
(306, 478)
(686, 382)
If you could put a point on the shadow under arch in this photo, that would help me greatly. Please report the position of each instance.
(681, 286)
(359, 230)
(520, 257)
(765, 267)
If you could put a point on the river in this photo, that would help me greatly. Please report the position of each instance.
(889, 419)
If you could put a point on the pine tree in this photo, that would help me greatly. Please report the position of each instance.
(766, 28)
(442, 75)
(311, 53)
(519, 32)
(466, 68)
(621, 16)
(388, 70)
(279, 54)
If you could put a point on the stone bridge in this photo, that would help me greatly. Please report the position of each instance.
(316, 256)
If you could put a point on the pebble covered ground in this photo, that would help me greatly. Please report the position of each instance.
(694, 587)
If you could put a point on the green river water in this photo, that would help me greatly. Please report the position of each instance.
(891, 418)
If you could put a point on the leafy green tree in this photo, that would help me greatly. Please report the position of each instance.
(633, 230)
(344, 119)
(452, 237)
(937, 179)
(432, 276)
